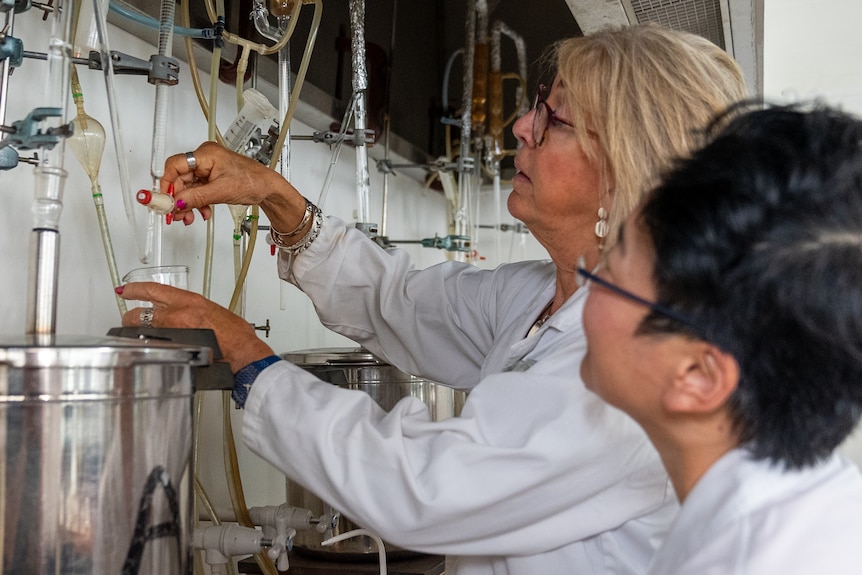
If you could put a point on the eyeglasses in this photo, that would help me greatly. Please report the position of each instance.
(584, 277)
(544, 116)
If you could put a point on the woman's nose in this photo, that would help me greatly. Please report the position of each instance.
(522, 129)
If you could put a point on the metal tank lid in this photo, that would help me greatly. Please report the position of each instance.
(332, 356)
(40, 351)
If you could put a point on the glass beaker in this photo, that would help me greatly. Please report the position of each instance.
(176, 276)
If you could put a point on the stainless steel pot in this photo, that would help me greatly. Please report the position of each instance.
(356, 368)
(96, 435)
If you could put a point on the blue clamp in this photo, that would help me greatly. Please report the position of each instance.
(28, 136)
(448, 243)
(13, 49)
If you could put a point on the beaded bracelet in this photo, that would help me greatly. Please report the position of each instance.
(278, 237)
(306, 240)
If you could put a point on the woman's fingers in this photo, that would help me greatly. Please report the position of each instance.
(176, 308)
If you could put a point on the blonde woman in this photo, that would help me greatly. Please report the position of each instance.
(537, 475)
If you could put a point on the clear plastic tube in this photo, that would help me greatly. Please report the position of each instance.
(259, 48)
(300, 75)
(284, 82)
(145, 20)
(212, 132)
(363, 179)
(381, 549)
(461, 223)
(336, 151)
(160, 118)
(260, 17)
(196, 80)
(142, 244)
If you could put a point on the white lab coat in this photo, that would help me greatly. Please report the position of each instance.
(747, 517)
(537, 475)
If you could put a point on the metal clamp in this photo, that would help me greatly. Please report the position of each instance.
(450, 243)
(164, 70)
(369, 229)
(440, 165)
(11, 48)
(158, 69)
(518, 228)
(25, 134)
(356, 137)
(466, 165)
(263, 328)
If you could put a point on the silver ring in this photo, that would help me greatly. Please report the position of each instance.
(147, 317)
(191, 161)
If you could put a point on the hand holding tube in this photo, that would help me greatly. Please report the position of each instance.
(173, 307)
(219, 176)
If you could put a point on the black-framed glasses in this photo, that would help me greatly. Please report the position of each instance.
(585, 276)
(544, 116)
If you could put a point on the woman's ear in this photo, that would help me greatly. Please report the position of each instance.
(704, 379)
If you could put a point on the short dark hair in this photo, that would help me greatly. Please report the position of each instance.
(758, 238)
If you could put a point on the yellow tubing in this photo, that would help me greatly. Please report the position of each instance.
(276, 151)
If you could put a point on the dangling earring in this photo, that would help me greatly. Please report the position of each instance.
(602, 226)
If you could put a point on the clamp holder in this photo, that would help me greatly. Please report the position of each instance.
(354, 137)
(451, 243)
(466, 165)
(26, 135)
(11, 48)
(439, 165)
(158, 69)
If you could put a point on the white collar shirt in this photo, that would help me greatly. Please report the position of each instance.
(747, 517)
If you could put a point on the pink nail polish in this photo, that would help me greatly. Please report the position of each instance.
(118, 290)
(181, 204)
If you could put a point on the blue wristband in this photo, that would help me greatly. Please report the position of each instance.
(245, 377)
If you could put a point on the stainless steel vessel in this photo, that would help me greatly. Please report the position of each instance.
(356, 368)
(96, 435)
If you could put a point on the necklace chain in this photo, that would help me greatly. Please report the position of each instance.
(543, 317)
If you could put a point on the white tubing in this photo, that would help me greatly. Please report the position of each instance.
(381, 551)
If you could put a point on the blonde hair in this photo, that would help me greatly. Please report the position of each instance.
(639, 96)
